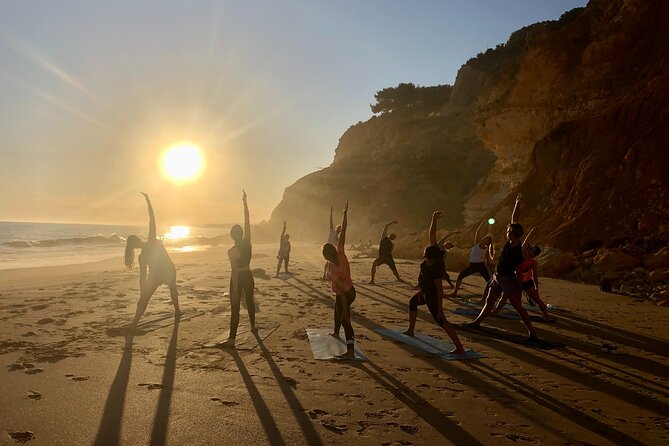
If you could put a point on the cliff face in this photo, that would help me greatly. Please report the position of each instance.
(572, 113)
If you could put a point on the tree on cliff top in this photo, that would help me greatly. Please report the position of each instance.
(407, 96)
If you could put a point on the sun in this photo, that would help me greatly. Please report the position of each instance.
(182, 162)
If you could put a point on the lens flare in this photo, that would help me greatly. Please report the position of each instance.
(491, 221)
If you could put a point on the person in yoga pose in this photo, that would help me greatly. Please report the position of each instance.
(241, 278)
(385, 256)
(284, 251)
(445, 245)
(480, 257)
(339, 273)
(505, 280)
(155, 268)
(333, 237)
(431, 289)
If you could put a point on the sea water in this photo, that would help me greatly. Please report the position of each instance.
(45, 244)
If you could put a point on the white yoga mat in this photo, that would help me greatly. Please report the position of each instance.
(325, 346)
(427, 344)
(246, 339)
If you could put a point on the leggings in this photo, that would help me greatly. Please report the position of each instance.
(246, 285)
(478, 267)
(339, 308)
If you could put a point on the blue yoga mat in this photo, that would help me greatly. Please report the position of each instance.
(427, 344)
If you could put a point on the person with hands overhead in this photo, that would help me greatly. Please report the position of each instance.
(505, 280)
(339, 273)
(333, 237)
(385, 256)
(480, 257)
(430, 286)
(284, 251)
(155, 268)
(241, 277)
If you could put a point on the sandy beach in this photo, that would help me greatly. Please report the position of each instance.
(68, 378)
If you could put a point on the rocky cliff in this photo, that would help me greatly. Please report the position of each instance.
(572, 113)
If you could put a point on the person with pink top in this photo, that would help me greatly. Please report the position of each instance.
(339, 273)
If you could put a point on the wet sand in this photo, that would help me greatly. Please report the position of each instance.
(68, 378)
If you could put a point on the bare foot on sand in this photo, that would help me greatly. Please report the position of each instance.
(230, 343)
(348, 355)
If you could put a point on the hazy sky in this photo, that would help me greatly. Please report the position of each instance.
(92, 91)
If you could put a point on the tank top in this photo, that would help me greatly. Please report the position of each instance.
(244, 249)
(477, 254)
(511, 257)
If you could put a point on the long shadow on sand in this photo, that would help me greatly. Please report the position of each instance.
(109, 432)
(161, 420)
(264, 414)
(482, 386)
(575, 416)
(310, 435)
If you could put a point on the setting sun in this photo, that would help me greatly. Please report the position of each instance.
(182, 162)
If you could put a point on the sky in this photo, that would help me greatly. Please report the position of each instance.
(92, 91)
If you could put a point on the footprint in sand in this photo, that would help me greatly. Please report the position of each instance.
(292, 382)
(409, 429)
(76, 378)
(22, 437)
(46, 320)
(34, 395)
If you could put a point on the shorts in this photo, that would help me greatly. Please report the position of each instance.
(528, 285)
(386, 261)
(506, 284)
(281, 257)
(428, 299)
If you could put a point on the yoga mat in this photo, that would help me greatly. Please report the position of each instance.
(246, 339)
(325, 346)
(512, 316)
(510, 307)
(427, 344)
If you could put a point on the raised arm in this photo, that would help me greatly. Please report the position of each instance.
(152, 218)
(515, 215)
(476, 234)
(384, 234)
(442, 240)
(283, 233)
(331, 224)
(436, 215)
(344, 223)
(247, 224)
(527, 237)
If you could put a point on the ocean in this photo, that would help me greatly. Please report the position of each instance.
(25, 244)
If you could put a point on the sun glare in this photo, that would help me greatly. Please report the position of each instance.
(178, 232)
(182, 162)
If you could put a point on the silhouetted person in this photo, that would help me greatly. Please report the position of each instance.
(333, 238)
(445, 246)
(241, 278)
(431, 290)
(385, 256)
(284, 251)
(155, 268)
(505, 280)
(480, 257)
(339, 273)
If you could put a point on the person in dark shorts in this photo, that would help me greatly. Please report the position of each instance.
(284, 251)
(241, 278)
(480, 257)
(431, 292)
(385, 256)
(339, 273)
(155, 261)
(505, 280)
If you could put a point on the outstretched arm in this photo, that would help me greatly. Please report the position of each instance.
(247, 224)
(385, 228)
(283, 233)
(152, 218)
(476, 234)
(344, 223)
(527, 237)
(436, 215)
(515, 215)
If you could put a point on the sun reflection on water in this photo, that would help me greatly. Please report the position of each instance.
(177, 233)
